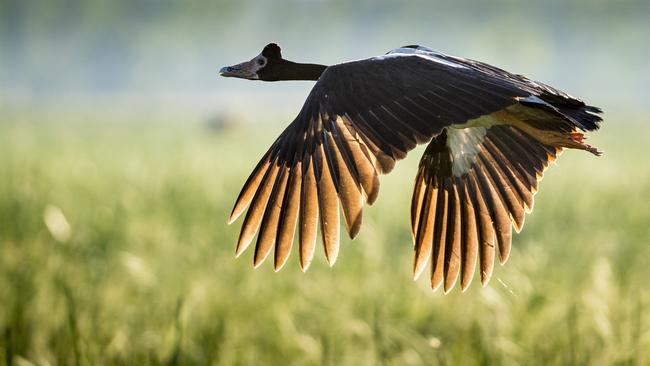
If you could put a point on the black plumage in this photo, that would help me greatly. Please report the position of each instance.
(491, 135)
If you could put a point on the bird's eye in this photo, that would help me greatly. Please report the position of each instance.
(261, 61)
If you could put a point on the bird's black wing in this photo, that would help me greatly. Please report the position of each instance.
(475, 183)
(573, 112)
(465, 204)
(359, 118)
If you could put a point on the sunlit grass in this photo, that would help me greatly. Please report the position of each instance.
(114, 249)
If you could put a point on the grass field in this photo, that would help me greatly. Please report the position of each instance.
(114, 249)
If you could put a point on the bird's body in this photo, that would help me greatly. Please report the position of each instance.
(491, 135)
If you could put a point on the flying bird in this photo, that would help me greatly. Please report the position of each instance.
(491, 135)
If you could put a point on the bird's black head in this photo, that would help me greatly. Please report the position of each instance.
(262, 67)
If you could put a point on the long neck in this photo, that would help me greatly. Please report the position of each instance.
(296, 71)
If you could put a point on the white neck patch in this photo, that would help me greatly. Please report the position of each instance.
(465, 145)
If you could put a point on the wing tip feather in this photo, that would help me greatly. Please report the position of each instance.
(239, 252)
(231, 219)
(242, 244)
(304, 267)
(257, 264)
(259, 259)
(418, 268)
(355, 228)
(435, 285)
(331, 259)
(465, 286)
(279, 262)
(503, 258)
(485, 279)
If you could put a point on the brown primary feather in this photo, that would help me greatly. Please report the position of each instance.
(382, 162)
(469, 250)
(256, 209)
(528, 151)
(503, 188)
(439, 238)
(416, 202)
(452, 246)
(288, 217)
(329, 206)
(485, 230)
(425, 228)
(521, 179)
(271, 218)
(348, 190)
(521, 159)
(549, 153)
(308, 213)
(250, 188)
(366, 173)
(498, 212)
(521, 192)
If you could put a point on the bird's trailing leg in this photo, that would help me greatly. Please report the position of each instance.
(572, 140)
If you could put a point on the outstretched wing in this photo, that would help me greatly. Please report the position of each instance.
(359, 118)
(472, 186)
(475, 183)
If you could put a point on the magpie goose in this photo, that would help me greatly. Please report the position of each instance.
(490, 133)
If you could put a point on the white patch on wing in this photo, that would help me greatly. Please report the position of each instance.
(423, 52)
(465, 145)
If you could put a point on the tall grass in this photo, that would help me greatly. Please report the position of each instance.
(114, 250)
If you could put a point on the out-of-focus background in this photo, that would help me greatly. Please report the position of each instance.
(121, 152)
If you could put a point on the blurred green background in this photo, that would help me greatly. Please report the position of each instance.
(121, 152)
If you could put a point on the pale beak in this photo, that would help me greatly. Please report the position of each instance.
(244, 70)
